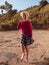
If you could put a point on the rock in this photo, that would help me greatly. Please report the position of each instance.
(8, 58)
(46, 56)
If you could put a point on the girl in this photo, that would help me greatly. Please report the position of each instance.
(26, 28)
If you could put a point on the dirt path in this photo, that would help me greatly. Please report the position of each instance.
(10, 48)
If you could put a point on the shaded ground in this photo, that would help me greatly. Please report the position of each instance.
(10, 48)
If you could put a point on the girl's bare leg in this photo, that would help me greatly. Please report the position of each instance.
(23, 52)
(26, 47)
(23, 48)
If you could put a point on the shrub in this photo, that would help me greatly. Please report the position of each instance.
(5, 26)
(43, 2)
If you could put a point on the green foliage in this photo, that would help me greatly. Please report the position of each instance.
(5, 26)
(43, 3)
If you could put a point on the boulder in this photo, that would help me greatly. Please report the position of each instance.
(46, 56)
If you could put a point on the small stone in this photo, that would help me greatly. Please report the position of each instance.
(46, 57)
(6, 64)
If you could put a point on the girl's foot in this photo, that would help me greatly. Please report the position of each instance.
(26, 60)
(22, 57)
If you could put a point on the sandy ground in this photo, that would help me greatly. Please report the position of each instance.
(10, 48)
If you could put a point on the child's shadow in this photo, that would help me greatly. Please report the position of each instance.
(40, 63)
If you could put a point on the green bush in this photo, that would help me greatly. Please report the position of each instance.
(43, 3)
(5, 26)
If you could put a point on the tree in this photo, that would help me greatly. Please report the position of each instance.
(15, 10)
(6, 7)
(2, 11)
(43, 2)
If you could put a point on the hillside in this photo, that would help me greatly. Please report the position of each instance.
(38, 15)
